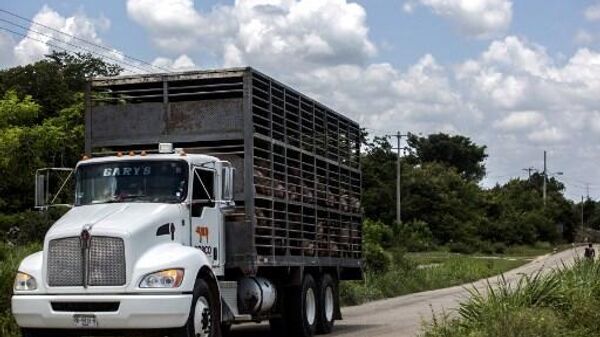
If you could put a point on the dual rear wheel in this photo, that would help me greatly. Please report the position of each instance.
(308, 309)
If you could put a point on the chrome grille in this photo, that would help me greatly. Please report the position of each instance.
(107, 262)
(104, 262)
(65, 263)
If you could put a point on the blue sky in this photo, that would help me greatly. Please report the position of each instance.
(518, 76)
(403, 37)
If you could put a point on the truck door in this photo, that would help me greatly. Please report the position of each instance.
(206, 217)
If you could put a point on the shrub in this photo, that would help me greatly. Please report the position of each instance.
(11, 257)
(376, 258)
(415, 236)
(462, 248)
(376, 232)
(28, 226)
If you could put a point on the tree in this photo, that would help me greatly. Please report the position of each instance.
(41, 120)
(379, 180)
(458, 152)
(54, 81)
(450, 205)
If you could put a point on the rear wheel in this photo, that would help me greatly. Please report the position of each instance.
(327, 300)
(302, 311)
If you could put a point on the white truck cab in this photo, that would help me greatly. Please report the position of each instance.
(144, 228)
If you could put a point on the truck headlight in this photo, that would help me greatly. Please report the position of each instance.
(170, 278)
(25, 282)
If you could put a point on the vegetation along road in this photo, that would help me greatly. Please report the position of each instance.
(404, 316)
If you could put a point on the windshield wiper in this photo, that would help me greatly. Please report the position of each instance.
(131, 196)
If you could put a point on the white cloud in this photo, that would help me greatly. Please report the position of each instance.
(583, 37)
(547, 136)
(520, 120)
(476, 18)
(32, 49)
(182, 63)
(298, 33)
(592, 13)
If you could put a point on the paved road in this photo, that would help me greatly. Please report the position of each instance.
(404, 316)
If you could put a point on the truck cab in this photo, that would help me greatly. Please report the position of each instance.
(143, 229)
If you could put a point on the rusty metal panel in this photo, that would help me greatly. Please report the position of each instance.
(126, 124)
(213, 117)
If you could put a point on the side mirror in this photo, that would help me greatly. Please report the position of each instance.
(46, 182)
(40, 190)
(228, 173)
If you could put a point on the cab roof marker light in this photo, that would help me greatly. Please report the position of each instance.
(165, 147)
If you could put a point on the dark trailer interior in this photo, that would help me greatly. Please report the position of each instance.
(298, 180)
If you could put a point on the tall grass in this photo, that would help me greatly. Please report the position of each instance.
(404, 277)
(565, 302)
(10, 257)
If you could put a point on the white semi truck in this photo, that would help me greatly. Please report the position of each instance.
(205, 199)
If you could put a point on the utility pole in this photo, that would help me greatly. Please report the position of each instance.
(582, 227)
(587, 188)
(399, 136)
(545, 178)
(529, 170)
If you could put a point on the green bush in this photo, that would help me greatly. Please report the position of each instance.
(376, 258)
(415, 236)
(28, 226)
(462, 248)
(10, 256)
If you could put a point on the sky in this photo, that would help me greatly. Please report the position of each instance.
(520, 77)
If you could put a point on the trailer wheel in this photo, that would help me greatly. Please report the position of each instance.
(327, 300)
(203, 320)
(302, 311)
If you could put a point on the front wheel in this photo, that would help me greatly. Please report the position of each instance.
(38, 333)
(203, 320)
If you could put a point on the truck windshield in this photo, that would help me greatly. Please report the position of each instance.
(131, 181)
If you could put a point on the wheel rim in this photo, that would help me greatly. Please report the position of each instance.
(310, 306)
(202, 318)
(329, 304)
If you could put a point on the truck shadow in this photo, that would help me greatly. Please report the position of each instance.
(262, 330)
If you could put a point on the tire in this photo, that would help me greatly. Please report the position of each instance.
(327, 301)
(301, 313)
(39, 333)
(225, 329)
(204, 318)
(278, 327)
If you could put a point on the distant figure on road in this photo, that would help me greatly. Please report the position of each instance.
(590, 252)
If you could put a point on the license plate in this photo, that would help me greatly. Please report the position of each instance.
(85, 321)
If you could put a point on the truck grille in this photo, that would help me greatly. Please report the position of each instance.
(103, 263)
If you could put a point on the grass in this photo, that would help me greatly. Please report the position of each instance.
(420, 272)
(10, 256)
(563, 303)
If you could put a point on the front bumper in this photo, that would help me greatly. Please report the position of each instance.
(134, 312)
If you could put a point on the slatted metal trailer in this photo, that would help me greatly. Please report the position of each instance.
(298, 181)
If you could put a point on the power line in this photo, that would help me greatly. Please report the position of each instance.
(81, 39)
(75, 46)
(63, 48)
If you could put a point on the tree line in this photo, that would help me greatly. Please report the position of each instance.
(443, 202)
